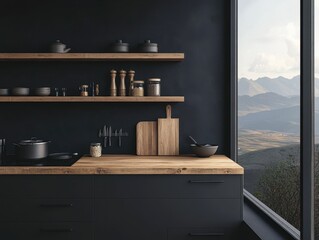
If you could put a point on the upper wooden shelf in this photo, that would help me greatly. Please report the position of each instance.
(92, 56)
(90, 99)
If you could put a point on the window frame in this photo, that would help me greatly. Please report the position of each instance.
(307, 127)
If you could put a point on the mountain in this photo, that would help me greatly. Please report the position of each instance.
(280, 85)
(249, 87)
(265, 102)
(281, 120)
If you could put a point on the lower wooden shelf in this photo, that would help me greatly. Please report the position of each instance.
(90, 99)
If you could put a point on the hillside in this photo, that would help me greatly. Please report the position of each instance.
(280, 85)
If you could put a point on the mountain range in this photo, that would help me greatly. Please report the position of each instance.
(280, 85)
(271, 111)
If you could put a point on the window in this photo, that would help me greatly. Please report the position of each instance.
(269, 103)
(317, 120)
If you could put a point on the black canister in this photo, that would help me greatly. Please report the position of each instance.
(148, 47)
(120, 47)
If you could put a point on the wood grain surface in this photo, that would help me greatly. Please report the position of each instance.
(93, 56)
(168, 134)
(132, 164)
(90, 99)
(146, 138)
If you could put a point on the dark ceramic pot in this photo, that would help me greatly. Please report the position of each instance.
(120, 47)
(148, 47)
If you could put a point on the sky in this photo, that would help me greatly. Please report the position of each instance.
(269, 38)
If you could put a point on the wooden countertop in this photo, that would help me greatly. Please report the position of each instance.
(131, 164)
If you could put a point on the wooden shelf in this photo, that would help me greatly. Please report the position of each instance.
(91, 99)
(92, 56)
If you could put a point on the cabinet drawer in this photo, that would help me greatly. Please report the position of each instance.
(150, 216)
(168, 186)
(198, 233)
(44, 186)
(52, 231)
(46, 209)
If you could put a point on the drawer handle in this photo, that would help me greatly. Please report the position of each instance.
(205, 234)
(56, 230)
(203, 181)
(56, 205)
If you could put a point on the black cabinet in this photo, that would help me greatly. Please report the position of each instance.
(35, 207)
(116, 207)
(167, 207)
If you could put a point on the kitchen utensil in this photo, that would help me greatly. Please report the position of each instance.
(198, 144)
(168, 134)
(131, 75)
(115, 133)
(2, 148)
(204, 151)
(97, 89)
(92, 89)
(62, 156)
(120, 137)
(20, 91)
(100, 133)
(148, 47)
(64, 92)
(4, 91)
(110, 136)
(32, 149)
(59, 47)
(122, 90)
(146, 138)
(120, 47)
(113, 83)
(84, 90)
(56, 92)
(105, 134)
(42, 91)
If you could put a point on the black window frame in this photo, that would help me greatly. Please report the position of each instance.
(307, 102)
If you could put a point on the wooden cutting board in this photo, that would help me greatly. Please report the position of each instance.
(146, 138)
(168, 134)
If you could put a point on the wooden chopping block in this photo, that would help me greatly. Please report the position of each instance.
(168, 134)
(146, 138)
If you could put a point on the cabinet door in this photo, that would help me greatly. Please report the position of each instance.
(151, 218)
(48, 231)
(46, 186)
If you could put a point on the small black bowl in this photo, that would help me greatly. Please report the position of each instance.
(204, 151)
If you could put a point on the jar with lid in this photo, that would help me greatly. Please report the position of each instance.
(138, 88)
(96, 150)
(154, 87)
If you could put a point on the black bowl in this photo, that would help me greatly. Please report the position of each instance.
(203, 151)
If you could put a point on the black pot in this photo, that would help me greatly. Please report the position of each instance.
(148, 47)
(120, 47)
(32, 149)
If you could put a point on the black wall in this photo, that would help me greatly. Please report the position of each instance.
(198, 28)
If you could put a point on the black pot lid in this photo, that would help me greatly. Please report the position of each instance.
(32, 142)
(148, 43)
(120, 43)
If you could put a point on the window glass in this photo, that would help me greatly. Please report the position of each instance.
(317, 120)
(269, 103)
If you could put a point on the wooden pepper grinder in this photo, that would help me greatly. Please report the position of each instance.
(122, 91)
(113, 84)
(131, 75)
(97, 89)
